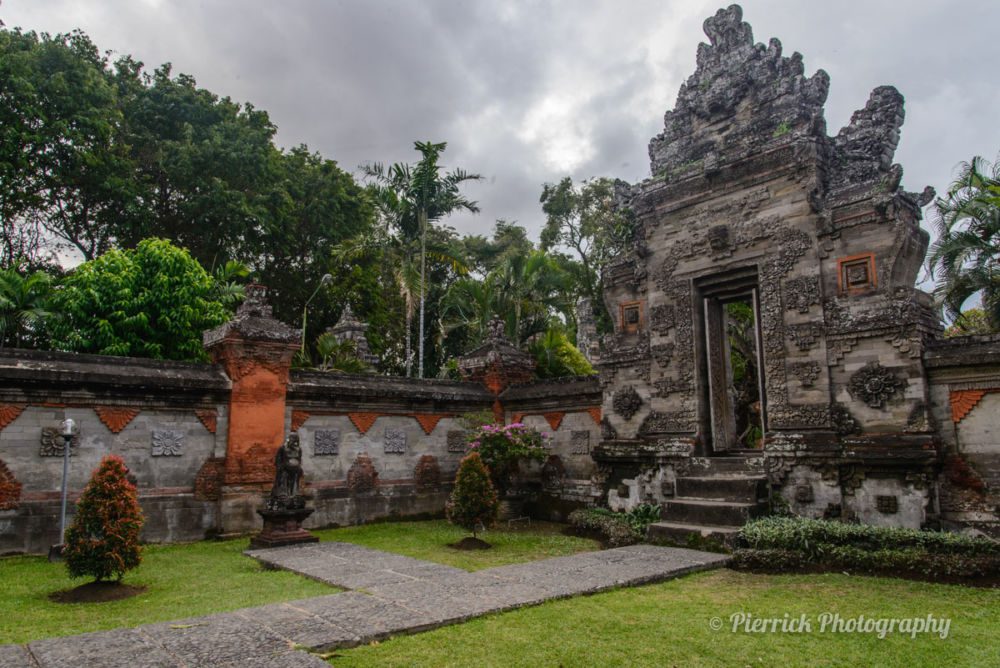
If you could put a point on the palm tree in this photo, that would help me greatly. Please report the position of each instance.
(967, 222)
(24, 306)
(410, 198)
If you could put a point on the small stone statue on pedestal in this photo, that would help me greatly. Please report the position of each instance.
(285, 508)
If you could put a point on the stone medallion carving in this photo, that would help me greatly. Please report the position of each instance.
(626, 402)
(456, 440)
(579, 442)
(395, 441)
(801, 293)
(52, 443)
(168, 443)
(806, 335)
(326, 442)
(874, 384)
(806, 372)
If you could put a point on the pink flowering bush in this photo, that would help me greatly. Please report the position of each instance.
(502, 447)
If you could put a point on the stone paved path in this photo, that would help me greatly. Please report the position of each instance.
(392, 595)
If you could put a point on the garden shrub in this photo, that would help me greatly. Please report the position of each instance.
(103, 540)
(473, 503)
(787, 543)
(615, 527)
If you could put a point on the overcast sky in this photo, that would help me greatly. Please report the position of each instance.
(528, 92)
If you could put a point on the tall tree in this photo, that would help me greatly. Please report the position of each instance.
(25, 306)
(585, 220)
(411, 198)
(966, 253)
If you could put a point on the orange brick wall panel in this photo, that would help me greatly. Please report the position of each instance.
(10, 488)
(209, 418)
(363, 421)
(963, 401)
(517, 417)
(256, 426)
(428, 421)
(595, 414)
(554, 419)
(9, 413)
(298, 419)
(116, 418)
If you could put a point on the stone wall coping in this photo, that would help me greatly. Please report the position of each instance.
(367, 386)
(973, 351)
(555, 388)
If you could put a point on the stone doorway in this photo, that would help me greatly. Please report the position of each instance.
(731, 370)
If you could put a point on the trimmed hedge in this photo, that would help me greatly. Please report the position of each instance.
(817, 537)
(777, 544)
(615, 527)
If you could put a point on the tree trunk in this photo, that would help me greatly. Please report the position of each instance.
(423, 270)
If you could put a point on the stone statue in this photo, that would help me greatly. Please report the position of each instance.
(287, 474)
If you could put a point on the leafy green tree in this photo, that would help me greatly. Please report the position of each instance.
(337, 355)
(970, 322)
(966, 253)
(585, 220)
(103, 539)
(153, 301)
(411, 198)
(483, 254)
(555, 356)
(25, 307)
(473, 504)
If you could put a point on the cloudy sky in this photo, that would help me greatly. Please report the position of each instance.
(529, 92)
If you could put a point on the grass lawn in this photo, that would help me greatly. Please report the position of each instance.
(429, 541)
(668, 625)
(181, 580)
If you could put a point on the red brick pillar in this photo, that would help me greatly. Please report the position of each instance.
(256, 352)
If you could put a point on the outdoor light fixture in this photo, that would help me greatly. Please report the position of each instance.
(323, 281)
(55, 552)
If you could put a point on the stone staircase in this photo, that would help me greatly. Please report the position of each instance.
(711, 503)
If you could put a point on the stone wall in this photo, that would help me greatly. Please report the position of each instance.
(373, 446)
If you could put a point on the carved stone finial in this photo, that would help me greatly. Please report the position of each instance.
(726, 29)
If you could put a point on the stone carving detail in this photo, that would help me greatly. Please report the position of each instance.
(53, 442)
(362, 476)
(874, 384)
(662, 353)
(887, 505)
(627, 402)
(663, 422)
(805, 335)
(427, 473)
(326, 442)
(395, 441)
(10, 488)
(662, 318)
(806, 372)
(842, 421)
(456, 440)
(168, 443)
(579, 443)
(553, 471)
(801, 293)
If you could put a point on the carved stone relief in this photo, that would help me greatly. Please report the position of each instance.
(53, 443)
(326, 442)
(874, 385)
(395, 441)
(167, 443)
(626, 402)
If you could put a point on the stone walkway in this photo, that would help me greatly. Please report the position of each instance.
(391, 595)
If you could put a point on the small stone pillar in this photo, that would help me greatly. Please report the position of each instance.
(256, 352)
(349, 328)
(497, 364)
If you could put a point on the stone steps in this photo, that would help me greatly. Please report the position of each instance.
(680, 534)
(709, 512)
(722, 488)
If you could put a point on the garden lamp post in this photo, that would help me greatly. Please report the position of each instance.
(323, 281)
(55, 552)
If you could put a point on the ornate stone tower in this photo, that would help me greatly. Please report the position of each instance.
(767, 312)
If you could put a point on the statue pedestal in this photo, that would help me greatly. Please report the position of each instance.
(282, 527)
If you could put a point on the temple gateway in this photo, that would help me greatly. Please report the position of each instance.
(771, 348)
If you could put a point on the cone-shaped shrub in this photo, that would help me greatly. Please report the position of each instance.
(103, 539)
(473, 502)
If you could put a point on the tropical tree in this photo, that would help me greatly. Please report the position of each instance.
(25, 306)
(970, 322)
(153, 301)
(585, 220)
(967, 250)
(336, 355)
(411, 198)
(555, 356)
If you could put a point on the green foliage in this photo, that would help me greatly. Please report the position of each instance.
(337, 355)
(154, 301)
(103, 540)
(473, 504)
(25, 307)
(585, 221)
(965, 255)
(557, 357)
(816, 538)
(970, 322)
(615, 527)
(640, 517)
(502, 448)
(782, 130)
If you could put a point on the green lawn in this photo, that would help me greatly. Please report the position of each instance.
(668, 625)
(429, 541)
(182, 580)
